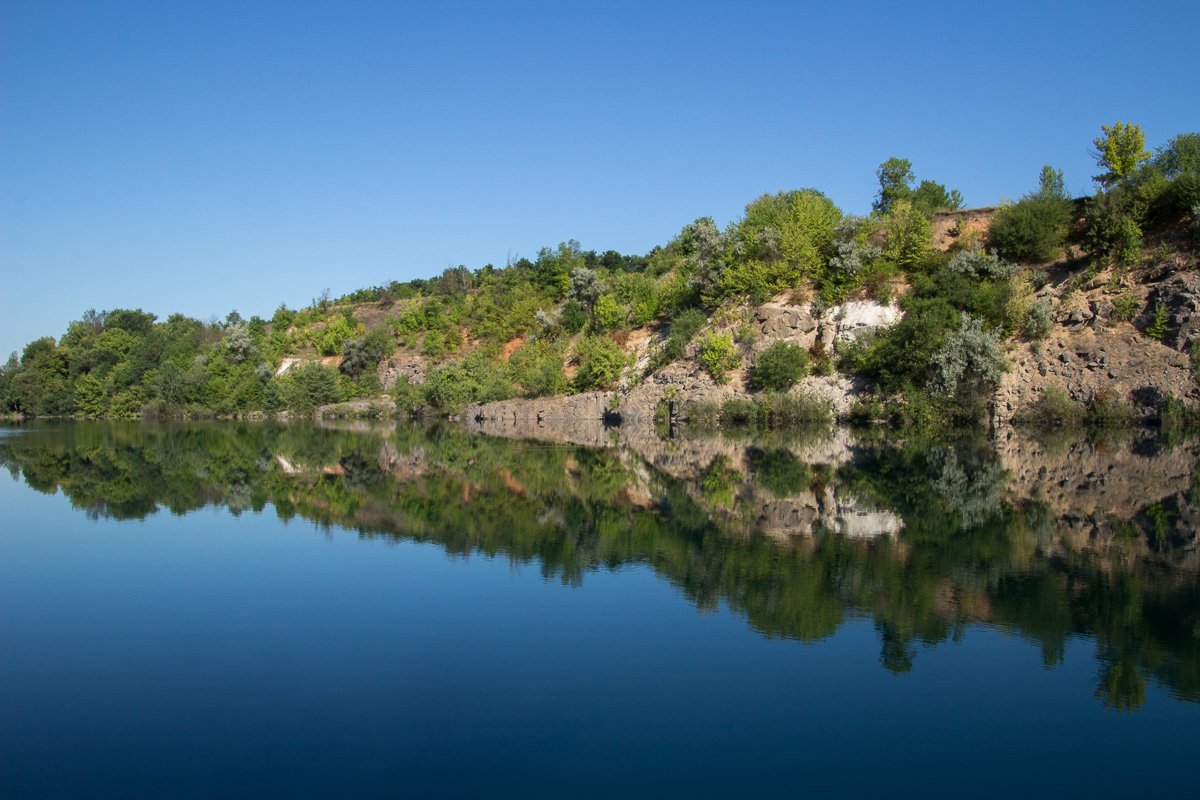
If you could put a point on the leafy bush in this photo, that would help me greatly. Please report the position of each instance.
(789, 410)
(1032, 231)
(901, 354)
(1106, 409)
(601, 362)
(609, 314)
(366, 352)
(978, 264)
(1110, 233)
(538, 367)
(771, 410)
(909, 236)
(1040, 319)
(1053, 407)
(1125, 308)
(718, 356)
(738, 411)
(684, 326)
(779, 367)
(456, 384)
(969, 363)
(313, 385)
(573, 316)
(434, 346)
(336, 333)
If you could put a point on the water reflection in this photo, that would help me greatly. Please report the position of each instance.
(1046, 538)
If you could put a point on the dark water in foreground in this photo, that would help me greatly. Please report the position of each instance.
(261, 610)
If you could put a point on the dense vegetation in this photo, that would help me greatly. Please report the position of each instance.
(558, 323)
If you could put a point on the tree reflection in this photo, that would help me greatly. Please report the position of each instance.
(924, 538)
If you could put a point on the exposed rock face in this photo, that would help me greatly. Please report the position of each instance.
(1180, 298)
(790, 323)
(796, 325)
(575, 419)
(1116, 362)
(391, 370)
(857, 317)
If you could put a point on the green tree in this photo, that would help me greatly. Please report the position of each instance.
(1051, 184)
(930, 197)
(609, 314)
(90, 399)
(895, 183)
(1119, 152)
(909, 235)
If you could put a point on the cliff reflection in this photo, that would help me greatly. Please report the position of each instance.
(1049, 540)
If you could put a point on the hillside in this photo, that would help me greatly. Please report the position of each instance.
(1048, 309)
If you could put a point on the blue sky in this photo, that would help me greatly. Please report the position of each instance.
(205, 156)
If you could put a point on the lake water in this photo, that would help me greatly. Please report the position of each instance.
(200, 610)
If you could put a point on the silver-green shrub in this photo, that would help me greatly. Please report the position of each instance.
(969, 361)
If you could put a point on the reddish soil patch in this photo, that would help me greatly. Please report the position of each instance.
(950, 226)
(511, 347)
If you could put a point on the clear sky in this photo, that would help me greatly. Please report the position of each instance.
(206, 156)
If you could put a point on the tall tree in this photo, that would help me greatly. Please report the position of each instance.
(895, 183)
(1119, 152)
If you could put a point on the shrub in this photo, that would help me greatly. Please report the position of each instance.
(538, 367)
(1040, 319)
(789, 410)
(434, 346)
(609, 314)
(771, 410)
(1158, 326)
(779, 367)
(1106, 409)
(366, 352)
(337, 332)
(684, 326)
(573, 317)
(1125, 308)
(601, 362)
(969, 363)
(313, 385)
(901, 354)
(718, 356)
(703, 414)
(456, 384)
(1031, 231)
(1110, 233)
(1053, 407)
(738, 411)
(865, 412)
(978, 264)
(800, 227)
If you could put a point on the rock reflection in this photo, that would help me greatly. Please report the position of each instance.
(1049, 539)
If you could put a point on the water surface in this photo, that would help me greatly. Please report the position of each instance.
(250, 609)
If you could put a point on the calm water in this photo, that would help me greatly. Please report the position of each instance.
(264, 610)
